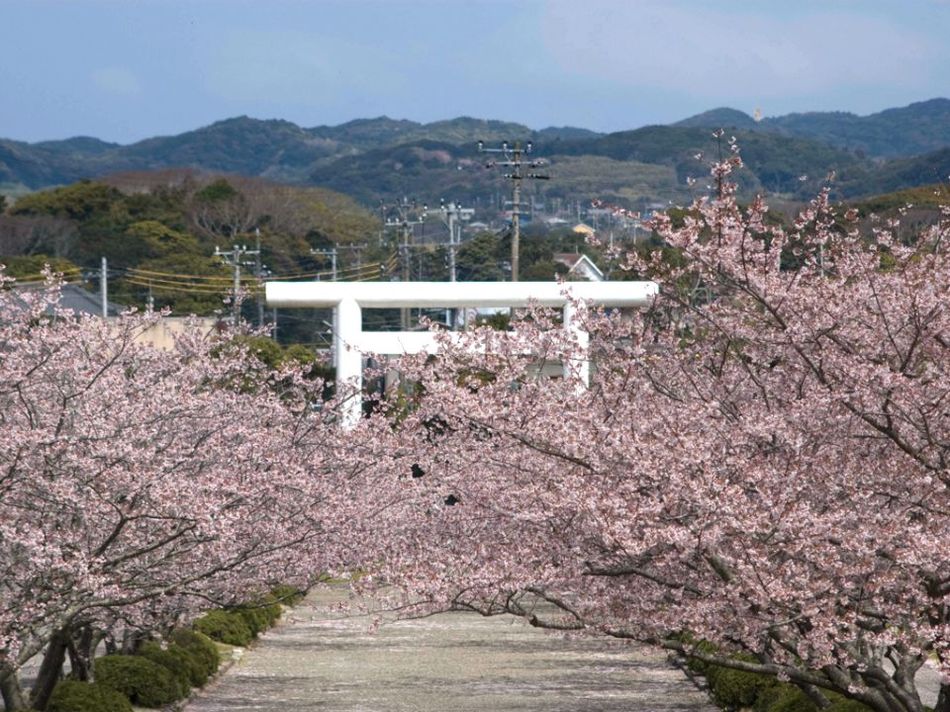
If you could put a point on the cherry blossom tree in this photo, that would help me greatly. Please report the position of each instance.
(140, 486)
(758, 474)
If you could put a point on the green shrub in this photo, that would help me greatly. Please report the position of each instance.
(843, 704)
(175, 659)
(145, 683)
(225, 627)
(733, 688)
(703, 646)
(259, 617)
(288, 595)
(202, 651)
(784, 698)
(75, 696)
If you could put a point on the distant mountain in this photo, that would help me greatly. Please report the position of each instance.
(895, 175)
(568, 133)
(275, 149)
(367, 134)
(79, 145)
(907, 131)
(775, 163)
(383, 157)
(721, 118)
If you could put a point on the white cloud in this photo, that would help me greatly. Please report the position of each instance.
(117, 80)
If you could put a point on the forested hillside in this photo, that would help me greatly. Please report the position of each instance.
(383, 158)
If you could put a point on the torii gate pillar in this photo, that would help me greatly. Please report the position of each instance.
(350, 342)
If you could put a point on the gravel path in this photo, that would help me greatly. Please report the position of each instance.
(317, 659)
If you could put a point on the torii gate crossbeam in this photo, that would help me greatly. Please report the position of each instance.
(348, 299)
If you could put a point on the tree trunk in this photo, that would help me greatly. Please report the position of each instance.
(81, 646)
(132, 640)
(51, 670)
(13, 698)
(943, 699)
(815, 695)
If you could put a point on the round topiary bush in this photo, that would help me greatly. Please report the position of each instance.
(75, 696)
(145, 683)
(226, 627)
(175, 659)
(202, 651)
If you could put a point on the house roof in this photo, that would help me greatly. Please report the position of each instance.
(80, 300)
(579, 264)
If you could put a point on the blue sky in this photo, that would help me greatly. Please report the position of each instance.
(123, 70)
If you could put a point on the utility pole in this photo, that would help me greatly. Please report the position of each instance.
(513, 159)
(452, 215)
(236, 258)
(331, 253)
(259, 273)
(406, 216)
(357, 249)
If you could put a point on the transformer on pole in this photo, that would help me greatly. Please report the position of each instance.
(406, 214)
(513, 160)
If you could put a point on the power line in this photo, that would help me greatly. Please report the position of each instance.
(236, 258)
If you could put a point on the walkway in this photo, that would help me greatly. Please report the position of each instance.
(455, 662)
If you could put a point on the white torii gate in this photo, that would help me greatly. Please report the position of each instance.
(348, 299)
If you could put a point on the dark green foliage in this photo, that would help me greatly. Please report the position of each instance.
(176, 660)
(843, 704)
(75, 696)
(145, 683)
(288, 595)
(258, 617)
(478, 259)
(217, 191)
(732, 688)
(202, 651)
(30, 267)
(80, 201)
(225, 627)
(929, 196)
(895, 175)
(702, 647)
(785, 698)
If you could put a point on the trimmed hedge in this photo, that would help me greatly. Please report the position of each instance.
(843, 704)
(175, 659)
(258, 617)
(75, 696)
(733, 688)
(202, 651)
(225, 627)
(145, 683)
(287, 595)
